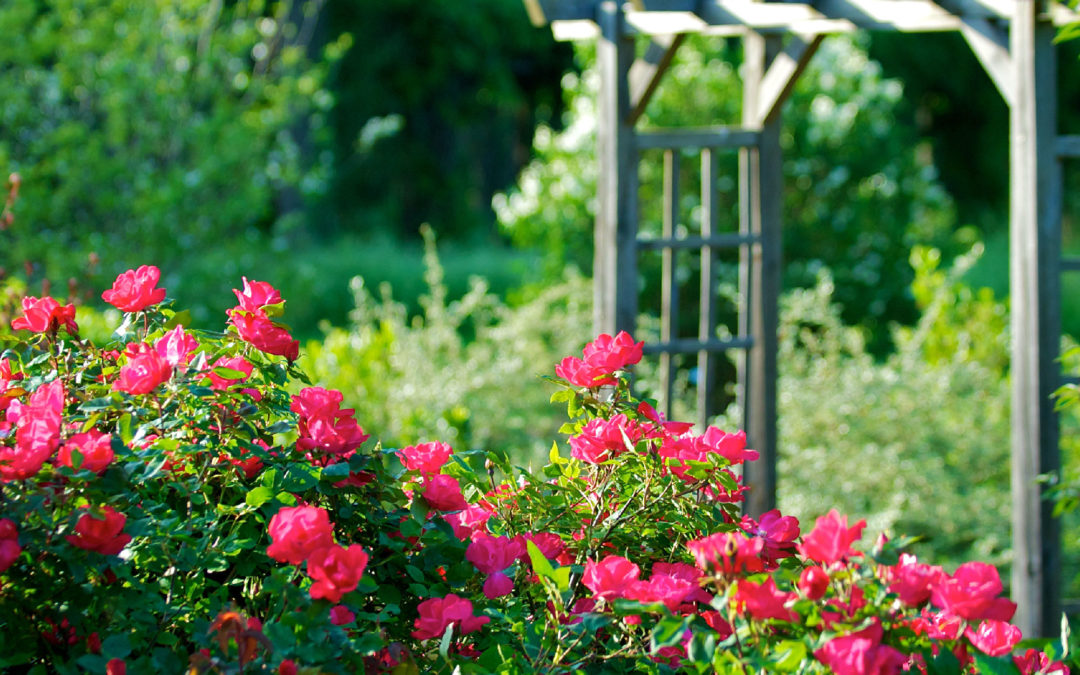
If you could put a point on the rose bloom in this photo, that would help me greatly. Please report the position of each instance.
(256, 295)
(134, 290)
(257, 329)
(9, 544)
(613, 353)
(103, 535)
(38, 432)
(438, 613)
(610, 578)
(95, 448)
(46, 315)
(581, 374)
(336, 571)
(144, 371)
(425, 457)
(176, 347)
(443, 493)
(298, 531)
(341, 615)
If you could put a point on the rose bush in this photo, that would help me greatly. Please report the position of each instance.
(185, 500)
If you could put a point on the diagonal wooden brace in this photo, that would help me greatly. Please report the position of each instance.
(782, 74)
(647, 71)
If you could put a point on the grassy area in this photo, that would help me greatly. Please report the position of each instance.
(314, 278)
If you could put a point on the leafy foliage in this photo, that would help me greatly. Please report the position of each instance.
(156, 128)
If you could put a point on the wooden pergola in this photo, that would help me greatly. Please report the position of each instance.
(1013, 39)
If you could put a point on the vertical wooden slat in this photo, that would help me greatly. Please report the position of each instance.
(615, 257)
(669, 308)
(760, 196)
(707, 361)
(1035, 235)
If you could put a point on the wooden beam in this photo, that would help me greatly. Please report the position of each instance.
(708, 363)
(615, 256)
(990, 44)
(647, 71)
(723, 240)
(1068, 146)
(690, 345)
(669, 291)
(718, 137)
(782, 75)
(1035, 301)
(760, 200)
(733, 17)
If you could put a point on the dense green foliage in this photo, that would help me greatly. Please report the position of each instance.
(150, 129)
(435, 109)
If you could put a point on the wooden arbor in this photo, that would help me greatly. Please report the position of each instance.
(1013, 41)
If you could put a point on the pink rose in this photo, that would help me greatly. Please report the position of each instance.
(116, 667)
(438, 613)
(297, 531)
(493, 554)
(46, 316)
(497, 585)
(611, 577)
(144, 371)
(912, 580)
(95, 448)
(134, 290)
(861, 653)
(610, 354)
(971, 593)
(425, 457)
(336, 571)
(258, 330)
(256, 295)
(728, 553)
(176, 347)
(994, 638)
(601, 439)
(443, 493)
(764, 601)
(831, 539)
(813, 582)
(9, 544)
(341, 615)
(578, 373)
(779, 533)
(469, 521)
(102, 534)
(38, 432)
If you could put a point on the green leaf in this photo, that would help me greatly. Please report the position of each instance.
(444, 644)
(259, 496)
(541, 565)
(181, 318)
(787, 655)
(116, 647)
(419, 510)
(667, 633)
(229, 373)
(989, 665)
(97, 404)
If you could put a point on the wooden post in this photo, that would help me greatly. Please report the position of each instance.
(615, 258)
(760, 198)
(1034, 240)
(708, 361)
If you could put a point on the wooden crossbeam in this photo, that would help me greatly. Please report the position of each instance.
(781, 76)
(574, 19)
(690, 345)
(1067, 146)
(990, 44)
(696, 138)
(647, 71)
(724, 240)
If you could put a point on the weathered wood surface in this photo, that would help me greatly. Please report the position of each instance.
(760, 200)
(1034, 278)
